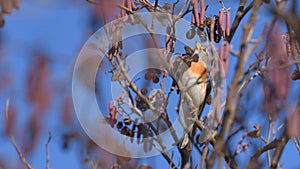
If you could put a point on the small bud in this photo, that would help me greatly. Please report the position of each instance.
(209, 100)
(167, 6)
(155, 79)
(188, 50)
(144, 91)
(190, 34)
(296, 75)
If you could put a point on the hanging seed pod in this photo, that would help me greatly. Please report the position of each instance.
(195, 12)
(133, 5)
(201, 26)
(224, 56)
(193, 19)
(6, 6)
(202, 6)
(128, 4)
(16, 4)
(227, 29)
(122, 2)
(221, 21)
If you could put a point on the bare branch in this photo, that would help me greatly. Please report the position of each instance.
(238, 17)
(230, 109)
(277, 143)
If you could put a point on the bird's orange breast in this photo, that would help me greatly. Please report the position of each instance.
(198, 69)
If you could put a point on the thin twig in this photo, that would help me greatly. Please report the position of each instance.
(277, 153)
(47, 150)
(204, 156)
(22, 158)
(270, 128)
(297, 143)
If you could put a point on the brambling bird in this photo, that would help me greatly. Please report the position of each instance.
(191, 70)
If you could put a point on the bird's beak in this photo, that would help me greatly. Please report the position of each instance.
(198, 46)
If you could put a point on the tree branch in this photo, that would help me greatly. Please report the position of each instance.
(238, 17)
(278, 144)
(232, 97)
